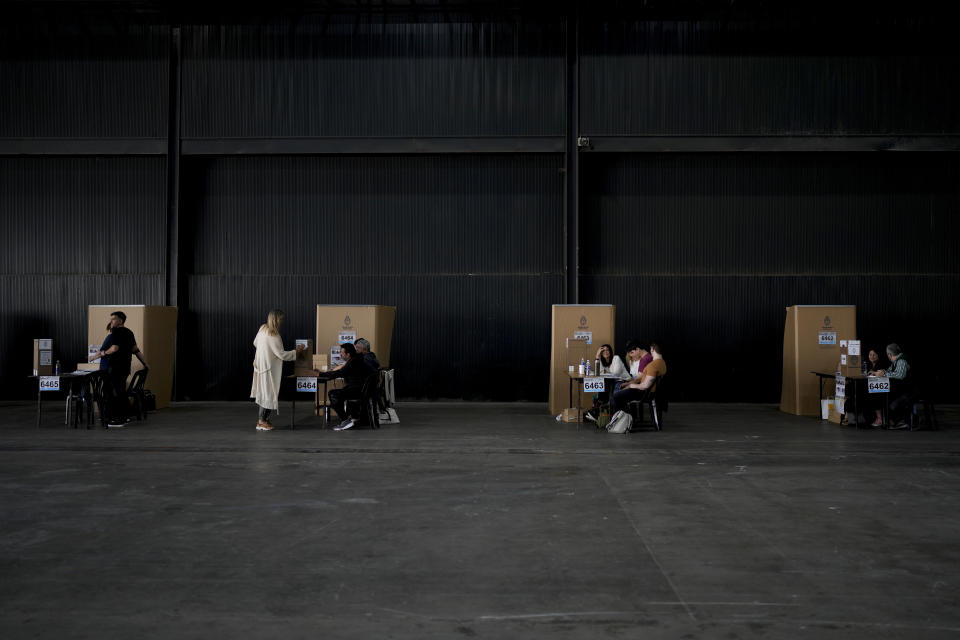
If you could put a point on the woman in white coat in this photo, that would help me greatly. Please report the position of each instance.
(268, 367)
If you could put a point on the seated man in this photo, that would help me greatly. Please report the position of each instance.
(638, 390)
(363, 348)
(900, 391)
(354, 372)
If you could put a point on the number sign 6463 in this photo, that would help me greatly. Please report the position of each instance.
(593, 385)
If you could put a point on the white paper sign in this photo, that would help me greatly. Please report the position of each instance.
(46, 357)
(49, 383)
(335, 358)
(304, 343)
(853, 348)
(843, 343)
(841, 390)
(593, 385)
(306, 383)
(827, 337)
(586, 336)
(843, 358)
(46, 344)
(347, 336)
(878, 385)
(92, 350)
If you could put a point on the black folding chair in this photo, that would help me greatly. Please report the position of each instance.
(365, 407)
(657, 400)
(135, 392)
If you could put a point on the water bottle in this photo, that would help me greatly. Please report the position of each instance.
(581, 366)
(863, 367)
(596, 365)
(56, 369)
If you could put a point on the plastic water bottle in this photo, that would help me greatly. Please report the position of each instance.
(596, 365)
(581, 366)
(56, 369)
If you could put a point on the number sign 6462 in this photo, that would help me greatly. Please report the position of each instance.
(878, 385)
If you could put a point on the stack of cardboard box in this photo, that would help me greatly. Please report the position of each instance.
(850, 358)
(43, 357)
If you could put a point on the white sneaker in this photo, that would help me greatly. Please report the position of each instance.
(116, 425)
(343, 426)
(589, 416)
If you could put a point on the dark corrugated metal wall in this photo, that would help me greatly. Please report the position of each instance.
(704, 252)
(374, 77)
(768, 77)
(469, 248)
(95, 80)
(77, 231)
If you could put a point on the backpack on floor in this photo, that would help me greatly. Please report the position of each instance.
(620, 422)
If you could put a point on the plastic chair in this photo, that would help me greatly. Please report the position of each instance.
(98, 383)
(658, 404)
(367, 402)
(135, 392)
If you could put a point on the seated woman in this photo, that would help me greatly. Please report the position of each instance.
(897, 372)
(873, 363)
(610, 365)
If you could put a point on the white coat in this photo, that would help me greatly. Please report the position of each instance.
(268, 369)
(617, 369)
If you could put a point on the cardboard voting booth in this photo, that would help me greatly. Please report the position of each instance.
(155, 329)
(585, 327)
(811, 342)
(337, 324)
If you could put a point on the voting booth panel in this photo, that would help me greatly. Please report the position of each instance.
(337, 324)
(577, 330)
(811, 342)
(155, 329)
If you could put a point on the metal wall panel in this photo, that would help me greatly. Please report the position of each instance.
(705, 251)
(374, 76)
(77, 231)
(770, 214)
(88, 79)
(764, 77)
(468, 248)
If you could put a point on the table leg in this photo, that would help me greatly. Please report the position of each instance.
(39, 406)
(570, 389)
(820, 385)
(293, 408)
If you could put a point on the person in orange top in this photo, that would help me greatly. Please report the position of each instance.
(637, 390)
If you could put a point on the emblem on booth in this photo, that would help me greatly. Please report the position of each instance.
(826, 321)
(583, 321)
(346, 321)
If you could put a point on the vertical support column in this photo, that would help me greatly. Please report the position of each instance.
(572, 162)
(173, 171)
(173, 186)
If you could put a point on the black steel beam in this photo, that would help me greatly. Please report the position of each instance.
(326, 146)
(173, 171)
(83, 146)
(572, 164)
(720, 144)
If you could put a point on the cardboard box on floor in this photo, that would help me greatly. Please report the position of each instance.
(811, 342)
(346, 323)
(155, 329)
(594, 324)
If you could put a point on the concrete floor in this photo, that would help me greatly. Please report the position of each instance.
(478, 521)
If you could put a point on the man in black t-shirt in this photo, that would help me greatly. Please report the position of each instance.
(354, 373)
(119, 356)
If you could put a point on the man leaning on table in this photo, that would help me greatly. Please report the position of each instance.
(115, 356)
(634, 390)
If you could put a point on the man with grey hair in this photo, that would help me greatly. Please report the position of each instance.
(363, 348)
(899, 387)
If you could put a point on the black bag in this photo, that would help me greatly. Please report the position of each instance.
(149, 401)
